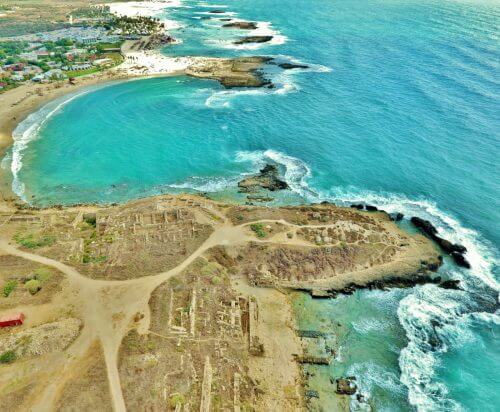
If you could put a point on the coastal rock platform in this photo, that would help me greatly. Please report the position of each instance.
(238, 72)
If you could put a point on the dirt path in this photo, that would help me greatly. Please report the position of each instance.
(107, 308)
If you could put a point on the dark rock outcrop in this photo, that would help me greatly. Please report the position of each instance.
(288, 66)
(217, 11)
(397, 217)
(358, 206)
(254, 39)
(268, 178)
(460, 260)
(346, 386)
(450, 284)
(244, 25)
(371, 208)
(455, 250)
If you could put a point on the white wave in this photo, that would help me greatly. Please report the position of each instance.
(480, 254)
(282, 80)
(215, 15)
(207, 184)
(222, 99)
(311, 67)
(371, 375)
(365, 325)
(214, 6)
(27, 131)
(264, 28)
(423, 314)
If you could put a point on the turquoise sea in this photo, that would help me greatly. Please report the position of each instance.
(399, 108)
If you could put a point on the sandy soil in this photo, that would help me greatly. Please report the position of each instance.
(109, 308)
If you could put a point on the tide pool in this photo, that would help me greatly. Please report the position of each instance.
(398, 108)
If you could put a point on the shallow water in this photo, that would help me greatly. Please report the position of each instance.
(398, 109)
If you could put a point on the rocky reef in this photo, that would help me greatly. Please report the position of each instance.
(254, 39)
(244, 25)
(267, 178)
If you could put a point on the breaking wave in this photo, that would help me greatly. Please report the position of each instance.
(434, 319)
(283, 80)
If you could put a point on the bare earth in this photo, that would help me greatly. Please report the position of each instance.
(173, 302)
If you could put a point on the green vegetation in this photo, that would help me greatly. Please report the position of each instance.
(8, 357)
(258, 229)
(87, 258)
(10, 48)
(33, 286)
(9, 287)
(175, 399)
(29, 241)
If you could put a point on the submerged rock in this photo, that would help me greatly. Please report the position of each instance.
(268, 178)
(254, 39)
(244, 25)
(217, 11)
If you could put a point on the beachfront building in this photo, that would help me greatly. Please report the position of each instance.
(55, 74)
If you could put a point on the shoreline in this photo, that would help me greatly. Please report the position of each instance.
(19, 103)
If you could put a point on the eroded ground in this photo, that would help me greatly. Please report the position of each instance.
(176, 303)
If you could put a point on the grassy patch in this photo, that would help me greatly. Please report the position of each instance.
(78, 73)
(8, 357)
(29, 241)
(258, 229)
(9, 287)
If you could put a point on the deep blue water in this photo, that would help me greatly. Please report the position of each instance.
(399, 108)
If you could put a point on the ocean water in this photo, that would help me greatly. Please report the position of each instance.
(398, 108)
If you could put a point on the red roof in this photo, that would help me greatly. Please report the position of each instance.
(11, 319)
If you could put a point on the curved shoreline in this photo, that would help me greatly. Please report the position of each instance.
(18, 104)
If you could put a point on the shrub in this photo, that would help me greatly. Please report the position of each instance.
(175, 399)
(258, 229)
(43, 274)
(33, 286)
(8, 357)
(9, 287)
